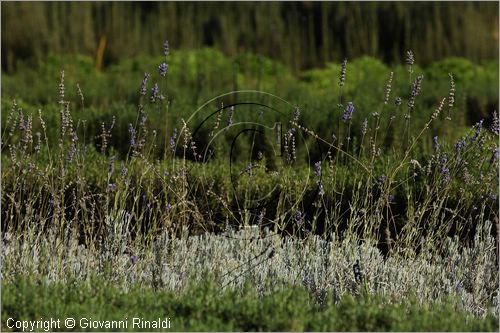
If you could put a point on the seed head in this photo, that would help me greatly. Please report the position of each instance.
(61, 89)
(439, 109)
(364, 127)
(388, 88)
(415, 90)
(79, 92)
(451, 95)
(343, 71)
(410, 58)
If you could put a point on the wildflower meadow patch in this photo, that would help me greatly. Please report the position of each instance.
(248, 209)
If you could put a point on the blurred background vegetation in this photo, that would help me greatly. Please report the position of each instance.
(300, 35)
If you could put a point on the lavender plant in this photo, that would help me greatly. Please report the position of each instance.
(409, 221)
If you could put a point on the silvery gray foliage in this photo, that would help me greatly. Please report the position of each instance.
(268, 261)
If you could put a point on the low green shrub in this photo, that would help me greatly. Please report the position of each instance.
(203, 307)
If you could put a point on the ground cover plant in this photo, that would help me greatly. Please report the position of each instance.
(204, 307)
(270, 180)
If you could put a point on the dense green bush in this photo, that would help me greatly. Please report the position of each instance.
(203, 307)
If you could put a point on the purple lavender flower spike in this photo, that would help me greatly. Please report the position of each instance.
(154, 93)
(163, 69)
(171, 141)
(436, 144)
(349, 110)
(144, 84)
(317, 168)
